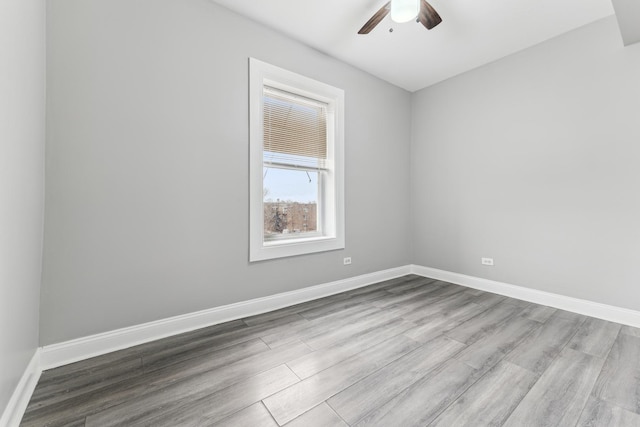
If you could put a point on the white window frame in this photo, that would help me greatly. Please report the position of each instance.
(331, 204)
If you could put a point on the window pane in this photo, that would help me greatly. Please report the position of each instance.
(290, 203)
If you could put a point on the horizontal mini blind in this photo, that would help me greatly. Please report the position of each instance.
(295, 130)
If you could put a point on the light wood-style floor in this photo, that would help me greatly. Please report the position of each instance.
(409, 351)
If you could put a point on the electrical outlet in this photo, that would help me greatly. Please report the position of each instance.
(347, 261)
(487, 261)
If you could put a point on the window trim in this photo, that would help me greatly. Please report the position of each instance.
(261, 74)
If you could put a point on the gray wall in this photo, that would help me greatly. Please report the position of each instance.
(534, 160)
(22, 68)
(147, 165)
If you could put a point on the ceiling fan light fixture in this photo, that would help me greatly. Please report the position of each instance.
(404, 10)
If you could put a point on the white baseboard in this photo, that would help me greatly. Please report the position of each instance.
(580, 306)
(83, 348)
(75, 350)
(14, 411)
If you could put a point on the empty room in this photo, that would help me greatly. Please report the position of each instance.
(294, 213)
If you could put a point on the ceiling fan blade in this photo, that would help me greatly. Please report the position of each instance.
(428, 15)
(375, 19)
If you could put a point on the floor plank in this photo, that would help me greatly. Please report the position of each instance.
(486, 352)
(425, 301)
(483, 324)
(182, 359)
(195, 386)
(619, 382)
(487, 299)
(539, 313)
(320, 416)
(212, 408)
(434, 325)
(539, 349)
(319, 360)
(629, 330)
(560, 395)
(318, 312)
(77, 385)
(447, 304)
(402, 297)
(599, 413)
(331, 336)
(299, 398)
(332, 321)
(420, 403)
(254, 415)
(356, 401)
(595, 337)
(288, 324)
(491, 400)
(58, 407)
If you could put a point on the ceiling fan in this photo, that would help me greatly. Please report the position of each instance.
(404, 11)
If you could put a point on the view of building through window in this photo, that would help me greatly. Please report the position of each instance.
(284, 218)
(290, 202)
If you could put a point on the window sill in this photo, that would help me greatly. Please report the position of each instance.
(292, 247)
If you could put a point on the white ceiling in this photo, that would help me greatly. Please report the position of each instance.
(473, 32)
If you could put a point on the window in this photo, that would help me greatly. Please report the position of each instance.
(296, 150)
